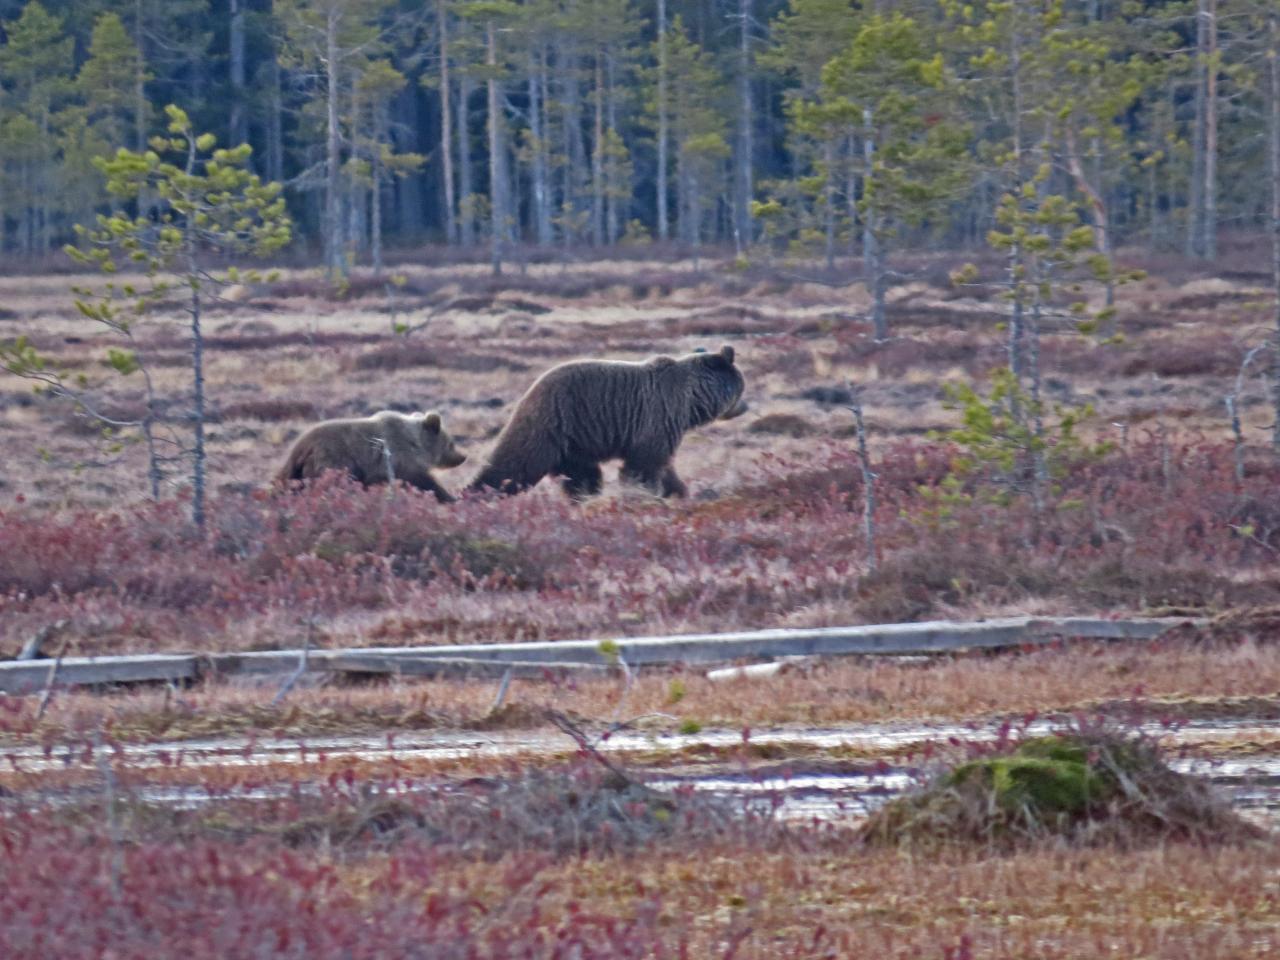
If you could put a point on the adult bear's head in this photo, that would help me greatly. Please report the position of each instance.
(716, 386)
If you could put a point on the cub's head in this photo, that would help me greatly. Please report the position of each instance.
(435, 439)
(717, 385)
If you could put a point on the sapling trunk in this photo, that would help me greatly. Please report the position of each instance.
(868, 482)
(198, 402)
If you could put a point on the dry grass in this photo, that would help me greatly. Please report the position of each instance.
(1185, 679)
(285, 355)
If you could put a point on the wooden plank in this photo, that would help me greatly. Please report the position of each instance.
(29, 676)
(892, 639)
(531, 659)
(460, 667)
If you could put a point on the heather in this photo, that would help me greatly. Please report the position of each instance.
(379, 867)
(1142, 528)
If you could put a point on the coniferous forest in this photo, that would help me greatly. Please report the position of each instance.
(817, 127)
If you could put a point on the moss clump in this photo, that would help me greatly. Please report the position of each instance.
(1081, 788)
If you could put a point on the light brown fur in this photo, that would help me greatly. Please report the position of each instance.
(364, 448)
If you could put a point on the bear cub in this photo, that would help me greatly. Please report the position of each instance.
(582, 413)
(411, 445)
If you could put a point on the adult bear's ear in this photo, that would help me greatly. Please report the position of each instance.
(722, 360)
(431, 423)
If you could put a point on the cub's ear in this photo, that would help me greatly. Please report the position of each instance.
(727, 353)
(431, 423)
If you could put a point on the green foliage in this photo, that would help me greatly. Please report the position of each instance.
(675, 692)
(1002, 446)
(209, 201)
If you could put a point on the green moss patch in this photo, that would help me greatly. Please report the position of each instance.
(1081, 788)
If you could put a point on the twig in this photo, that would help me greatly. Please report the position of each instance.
(627, 679)
(1233, 409)
(31, 649)
(303, 662)
(585, 744)
(47, 694)
(502, 691)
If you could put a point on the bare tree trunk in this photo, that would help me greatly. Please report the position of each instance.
(574, 149)
(466, 181)
(446, 127)
(275, 121)
(664, 227)
(239, 124)
(334, 255)
(1273, 155)
(1015, 344)
(1209, 244)
(497, 176)
(873, 256)
(829, 203)
(614, 189)
(140, 80)
(197, 413)
(851, 170)
(1101, 223)
(1195, 208)
(597, 155)
(742, 167)
(375, 210)
(537, 129)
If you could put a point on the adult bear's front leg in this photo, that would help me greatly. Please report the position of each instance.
(582, 480)
(659, 478)
(672, 485)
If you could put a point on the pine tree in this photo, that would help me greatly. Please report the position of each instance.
(106, 81)
(695, 108)
(35, 73)
(890, 87)
(328, 42)
(208, 203)
(804, 39)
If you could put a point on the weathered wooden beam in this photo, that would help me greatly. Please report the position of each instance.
(29, 676)
(894, 639)
(460, 667)
(533, 659)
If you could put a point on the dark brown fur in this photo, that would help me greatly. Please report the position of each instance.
(580, 414)
(360, 447)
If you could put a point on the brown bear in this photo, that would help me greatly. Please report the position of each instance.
(581, 413)
(366, 447)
